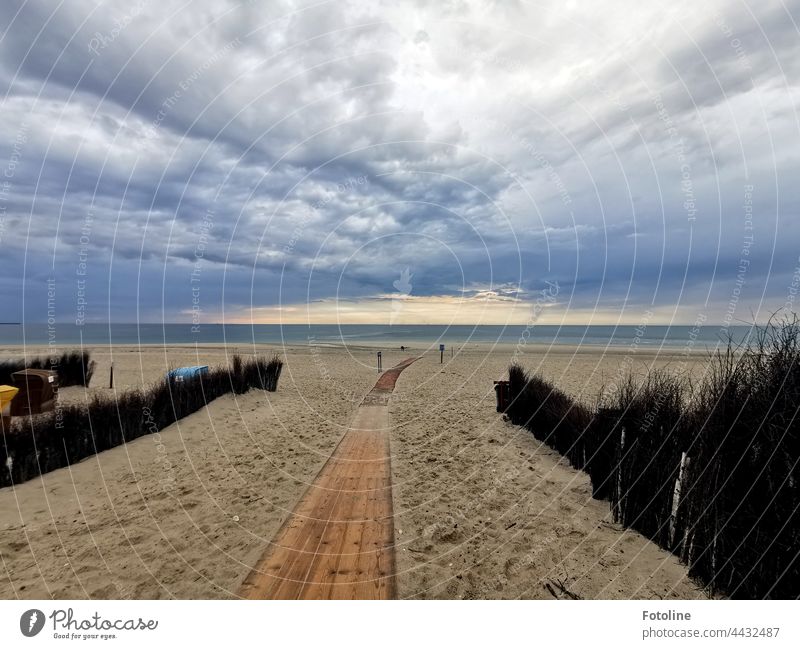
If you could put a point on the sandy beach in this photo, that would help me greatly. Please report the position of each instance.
(482, 510)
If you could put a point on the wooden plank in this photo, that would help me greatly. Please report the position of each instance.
(339, 541)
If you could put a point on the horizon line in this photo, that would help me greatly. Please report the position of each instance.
(381, 324)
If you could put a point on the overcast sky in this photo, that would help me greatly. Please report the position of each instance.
(400, 161)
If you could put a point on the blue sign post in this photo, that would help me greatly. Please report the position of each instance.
(441, 353)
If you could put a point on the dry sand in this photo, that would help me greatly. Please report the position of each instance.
(481, 508)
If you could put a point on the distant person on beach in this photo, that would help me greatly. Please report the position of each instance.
(402, 348)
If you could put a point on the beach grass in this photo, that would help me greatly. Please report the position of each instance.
(708, 471)
(73, 367)
(42, 443)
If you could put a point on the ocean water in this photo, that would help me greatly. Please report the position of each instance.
(653, 336)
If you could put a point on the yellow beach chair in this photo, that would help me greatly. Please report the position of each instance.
(7, 394)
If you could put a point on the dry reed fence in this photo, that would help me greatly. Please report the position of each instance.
(709, 472)
(42, 443)
(73, 368)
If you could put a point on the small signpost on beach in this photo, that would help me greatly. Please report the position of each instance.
(380, 363)
(441, 353)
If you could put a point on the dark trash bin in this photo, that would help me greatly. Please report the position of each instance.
(36, 392)
(502, 390)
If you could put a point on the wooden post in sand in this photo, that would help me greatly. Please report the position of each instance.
(380, 363)
(111, 377)
(676, 497)
(441, 353)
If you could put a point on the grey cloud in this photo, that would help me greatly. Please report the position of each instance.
(490, 136)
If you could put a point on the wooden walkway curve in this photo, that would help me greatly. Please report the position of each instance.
(339, 541)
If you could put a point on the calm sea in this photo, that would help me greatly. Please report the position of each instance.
(410, 335)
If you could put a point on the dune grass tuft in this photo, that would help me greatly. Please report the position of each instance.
(42, 443)
(73, 368)
(710, 472)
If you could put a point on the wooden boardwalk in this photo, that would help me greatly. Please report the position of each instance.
(339, 541)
